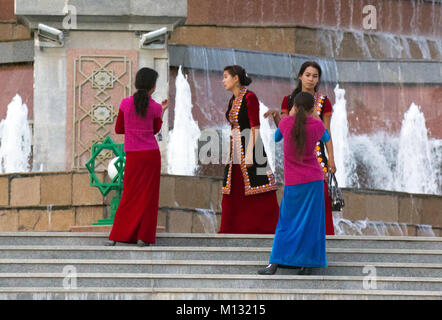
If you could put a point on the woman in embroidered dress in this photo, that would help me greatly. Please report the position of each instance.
(139, 119)
(300, 235)
(308, 81)
(249, 203)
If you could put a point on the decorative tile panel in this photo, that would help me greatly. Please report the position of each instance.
(98, 83)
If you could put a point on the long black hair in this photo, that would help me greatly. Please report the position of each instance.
(244, 80)
(304, 103)
(298, 88)
(145, 80)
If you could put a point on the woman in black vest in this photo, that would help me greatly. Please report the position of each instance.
(249, 203)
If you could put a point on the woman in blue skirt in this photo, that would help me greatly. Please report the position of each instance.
(300, 233)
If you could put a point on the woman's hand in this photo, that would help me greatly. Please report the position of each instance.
(331, 165)
(270, 113)
(274, 114)
(165, 104)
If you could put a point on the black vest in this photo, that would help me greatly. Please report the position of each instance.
(258, 178)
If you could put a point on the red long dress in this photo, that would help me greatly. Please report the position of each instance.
(254, 213)
(137, 213)
(326, 110)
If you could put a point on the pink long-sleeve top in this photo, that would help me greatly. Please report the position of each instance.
(307, 169)
(139, 133)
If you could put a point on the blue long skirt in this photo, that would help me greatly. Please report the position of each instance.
(300, 234)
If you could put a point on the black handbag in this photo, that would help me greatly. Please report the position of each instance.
(337, 200)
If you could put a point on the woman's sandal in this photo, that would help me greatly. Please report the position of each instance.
(141, 243)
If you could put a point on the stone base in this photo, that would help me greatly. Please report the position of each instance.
(106, 228)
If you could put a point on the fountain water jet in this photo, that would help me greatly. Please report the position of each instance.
(415, 171)
(15, 134)
(385, 161)
(182, 147)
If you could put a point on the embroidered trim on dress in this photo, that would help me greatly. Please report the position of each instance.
(226, 189)
(319, 104)
(233, 117)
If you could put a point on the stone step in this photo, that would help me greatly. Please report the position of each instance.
(34, 265)
(105, 280)
(211, 294)
(103, 228)
(210, 253)
(236, 240)
(338, 268)
(222, 240)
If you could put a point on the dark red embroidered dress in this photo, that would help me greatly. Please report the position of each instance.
(249, 203)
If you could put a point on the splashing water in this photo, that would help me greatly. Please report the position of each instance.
(208, 220)
(182, 148)
(15, 134)
(339, 129)
(425, 230)
(370, 228)
(267, 130)
(371, 163)
(414, 171)
(383, 161)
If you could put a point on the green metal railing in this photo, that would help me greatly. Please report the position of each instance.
(116, 182)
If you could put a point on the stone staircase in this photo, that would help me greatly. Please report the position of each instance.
(65, 265)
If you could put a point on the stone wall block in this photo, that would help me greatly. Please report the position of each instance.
(162, 219)
(56, 189)
(33, 220)
(192, 192)
(216, 195)
(410, 210)
(354, 206)
(167, 191)
(180, 221)
(12, 31)
(8, 220)
(61, 220)
(432, 212)
(4, 191)
(85, 216)
(197, 224)
(25, 191)
(83, 193)
(381, 207)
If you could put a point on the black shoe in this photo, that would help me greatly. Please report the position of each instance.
(305, 271)
(283, 266)
(141, 243)
(110, 243)
(270, 269)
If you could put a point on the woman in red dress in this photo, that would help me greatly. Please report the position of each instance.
(308, 81)
(139, 119)
(249, 203)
